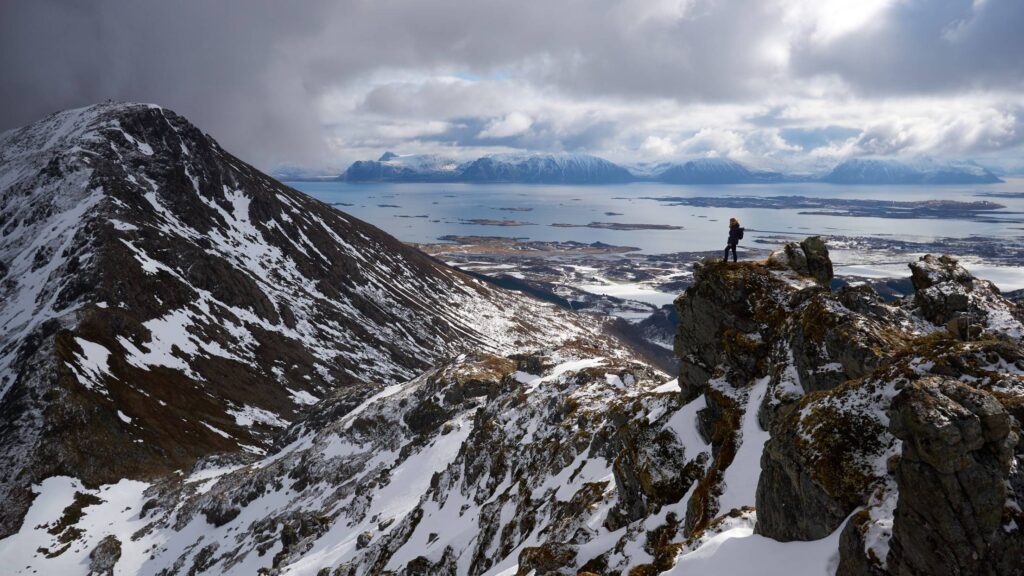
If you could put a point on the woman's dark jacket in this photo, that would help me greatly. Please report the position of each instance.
(734, 235)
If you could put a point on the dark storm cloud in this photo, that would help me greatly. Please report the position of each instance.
(212, 61)
(541, 136)
(927, 46)
(298, 81)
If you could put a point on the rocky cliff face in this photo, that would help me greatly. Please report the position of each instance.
(161, 300)
(899, 415)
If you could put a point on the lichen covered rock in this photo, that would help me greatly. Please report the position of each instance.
(958, 451)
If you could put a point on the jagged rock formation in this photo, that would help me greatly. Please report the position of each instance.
(853, 411)
(857, 418)
(807, 258)
(958, 452)
(570, 459)
(161, 300)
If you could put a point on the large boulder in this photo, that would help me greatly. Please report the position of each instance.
(808, 258)
(104, 557)
(958, 450)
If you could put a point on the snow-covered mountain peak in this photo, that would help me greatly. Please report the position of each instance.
(918, 171)
(160, 300)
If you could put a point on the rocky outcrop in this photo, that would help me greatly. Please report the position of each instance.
(948, 295)
(958, 451)
(741, 323)
(724, 318)
(808, 257)
(854, 383)
(104, 557)
(563, 461)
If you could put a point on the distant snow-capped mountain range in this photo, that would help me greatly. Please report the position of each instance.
(565, 168)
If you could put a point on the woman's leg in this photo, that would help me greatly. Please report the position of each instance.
(729, 247)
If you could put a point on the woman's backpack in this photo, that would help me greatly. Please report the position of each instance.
(740, 236)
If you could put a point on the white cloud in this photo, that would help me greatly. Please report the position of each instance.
(512, 124)
(412, 130)
(658, 146)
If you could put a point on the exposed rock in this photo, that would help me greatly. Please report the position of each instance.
(958, 448)
(808, 258)
(104, 557)
(546, 559)
(652, 469)
(948, 295)
(721, 319)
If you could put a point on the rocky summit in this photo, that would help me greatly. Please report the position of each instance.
(206, 372)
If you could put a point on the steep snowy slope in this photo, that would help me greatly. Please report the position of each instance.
(479, 466)
(160, 300)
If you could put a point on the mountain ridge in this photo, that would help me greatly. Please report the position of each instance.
(586, 169)
(174, 301)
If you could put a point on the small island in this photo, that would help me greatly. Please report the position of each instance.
(619, 226)
(492, 222)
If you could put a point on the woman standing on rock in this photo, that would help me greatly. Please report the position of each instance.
(735, 235)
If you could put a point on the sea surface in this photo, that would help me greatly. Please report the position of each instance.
(423, 213)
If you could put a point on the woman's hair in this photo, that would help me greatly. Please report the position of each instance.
(733, 221)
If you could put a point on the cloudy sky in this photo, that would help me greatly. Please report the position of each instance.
(799, 84)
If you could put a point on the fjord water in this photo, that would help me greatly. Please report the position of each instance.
(424, 212)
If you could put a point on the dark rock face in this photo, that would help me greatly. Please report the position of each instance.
(792, 505)
(721, 317)
(958, 450)
(651, 469)
(853, 383)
